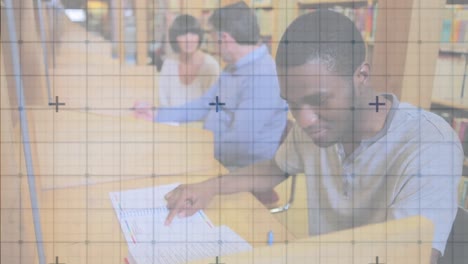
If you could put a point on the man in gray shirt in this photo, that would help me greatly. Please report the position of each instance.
(364, 163)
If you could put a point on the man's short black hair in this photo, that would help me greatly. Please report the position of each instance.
(322, 35)
(239, 20)
(182, 25)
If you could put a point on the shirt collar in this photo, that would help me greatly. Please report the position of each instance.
(247, 59)
(389, 119)
(366, 142)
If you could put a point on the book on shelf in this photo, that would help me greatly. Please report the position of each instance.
(365, 18)
(446, 34)
(455, 25)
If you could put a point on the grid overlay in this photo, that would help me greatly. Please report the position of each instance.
(86, 144)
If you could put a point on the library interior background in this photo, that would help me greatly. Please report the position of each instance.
(117, 115)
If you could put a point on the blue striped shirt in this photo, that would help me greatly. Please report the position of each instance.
(248, 127)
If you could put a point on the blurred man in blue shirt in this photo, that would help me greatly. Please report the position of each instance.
(243, 109)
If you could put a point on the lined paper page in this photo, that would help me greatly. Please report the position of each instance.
(142, 213)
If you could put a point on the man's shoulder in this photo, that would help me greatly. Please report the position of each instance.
(262, 65)
(421, 123)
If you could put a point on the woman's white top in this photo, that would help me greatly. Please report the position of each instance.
(172, 92)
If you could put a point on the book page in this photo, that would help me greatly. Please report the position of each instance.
(142, 214)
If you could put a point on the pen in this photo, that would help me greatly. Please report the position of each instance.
(270, 238)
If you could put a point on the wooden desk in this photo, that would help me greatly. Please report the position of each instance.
(79, 223)
(105, 89)
(395, 242)
(72, 148)
(80, 226)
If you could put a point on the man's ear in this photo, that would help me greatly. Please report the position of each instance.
(362, 73)
(361, 77)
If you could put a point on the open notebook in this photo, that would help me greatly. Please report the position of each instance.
(142, 213)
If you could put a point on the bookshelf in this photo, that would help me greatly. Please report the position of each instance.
(450, 82)
(398, 51)
(273, 15)
(362, 12)
(453, 55)
(266, 11)
(455, 104)
(305, 4)
(454, 48)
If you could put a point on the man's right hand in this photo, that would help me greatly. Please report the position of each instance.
(187, 199)
(143, 110)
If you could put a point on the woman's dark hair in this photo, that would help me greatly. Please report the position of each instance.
(325, 36)
(182, 25)
(239, 20)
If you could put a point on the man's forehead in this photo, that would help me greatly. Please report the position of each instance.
(300, 85)
(298, 93)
